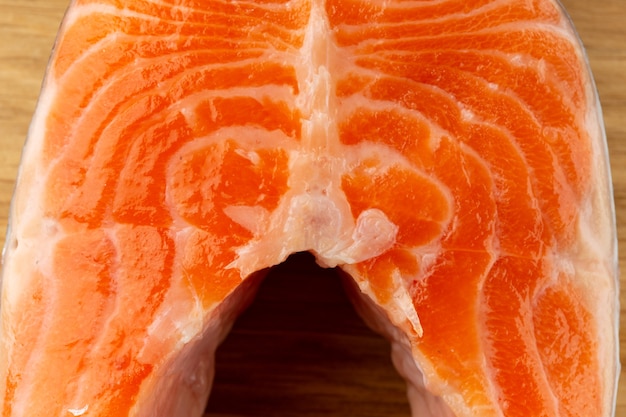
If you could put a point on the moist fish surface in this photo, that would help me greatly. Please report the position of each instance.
(448, 156)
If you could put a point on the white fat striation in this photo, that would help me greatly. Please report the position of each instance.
(78, 411)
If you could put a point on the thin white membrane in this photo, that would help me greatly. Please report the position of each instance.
(392, 324)
(598, 229)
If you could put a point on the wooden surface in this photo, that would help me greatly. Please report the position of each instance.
(305, 354)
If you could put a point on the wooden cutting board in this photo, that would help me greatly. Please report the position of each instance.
(303, 353)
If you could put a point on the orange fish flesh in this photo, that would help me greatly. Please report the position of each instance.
(448, 155)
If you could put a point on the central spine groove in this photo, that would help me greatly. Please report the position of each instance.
(316, 88)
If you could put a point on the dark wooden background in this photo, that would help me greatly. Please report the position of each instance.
(300, 350)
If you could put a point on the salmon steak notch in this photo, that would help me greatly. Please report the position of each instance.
(448, 156)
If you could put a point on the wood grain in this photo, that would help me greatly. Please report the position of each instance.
(305, 352)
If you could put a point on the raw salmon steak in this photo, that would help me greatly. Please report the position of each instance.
(447, 155)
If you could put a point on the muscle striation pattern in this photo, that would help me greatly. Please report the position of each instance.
(448, 155)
